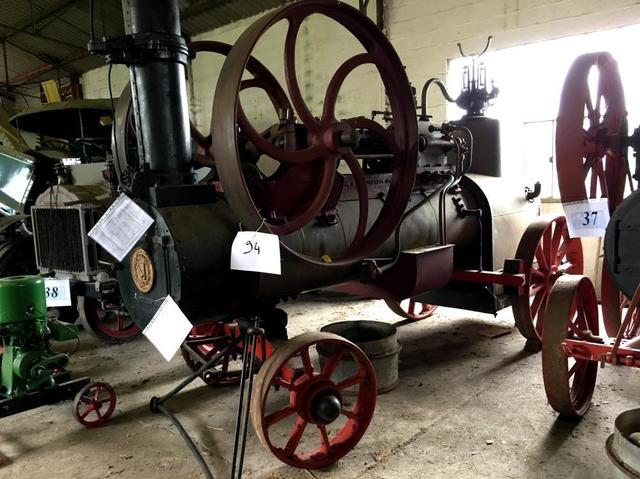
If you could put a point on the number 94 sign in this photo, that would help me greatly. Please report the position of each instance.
(587, 218)
(253, 251)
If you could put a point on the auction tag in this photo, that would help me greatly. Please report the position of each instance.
(587, 218)
(120, 228)
(254, 251)
(168, 328)
(57, 292)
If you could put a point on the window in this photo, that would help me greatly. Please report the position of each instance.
(530, 79)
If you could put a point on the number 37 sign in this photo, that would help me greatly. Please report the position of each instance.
(253, 251)
(587, 218)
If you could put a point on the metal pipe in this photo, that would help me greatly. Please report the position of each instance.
(160, 95)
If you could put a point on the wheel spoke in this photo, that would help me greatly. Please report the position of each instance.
(542, 262)
(285, 384)
(555, 244)
(295, 436)
(328, 111)
(306, 362)
(331, 365)
(537, 302)
(291, 77)
(324, 438)
(546, 246)
(363, 198)
(280, 415)
(352, 381)
(572, 370)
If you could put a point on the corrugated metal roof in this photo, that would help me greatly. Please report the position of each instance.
(46, 37)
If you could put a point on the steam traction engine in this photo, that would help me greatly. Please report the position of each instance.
(392, 211)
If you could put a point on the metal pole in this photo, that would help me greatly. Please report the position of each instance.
(159, 93)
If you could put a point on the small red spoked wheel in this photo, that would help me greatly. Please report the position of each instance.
(94, 404)
(411, 309)
(113, 325)
(208, 339)
(549, 253)
(572, 314)
(287, 203)
(310, 415)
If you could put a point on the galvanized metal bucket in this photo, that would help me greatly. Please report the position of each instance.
(624, 453)
(379, 341)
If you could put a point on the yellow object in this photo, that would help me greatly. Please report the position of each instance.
(326, 258)
(51, 91)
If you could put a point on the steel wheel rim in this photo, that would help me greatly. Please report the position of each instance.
(414, 310)
(304, 387)
(549, 251)
(573, 309)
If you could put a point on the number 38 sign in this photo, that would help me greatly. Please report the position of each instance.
(57, 292)
(253, 251)
(587, 218)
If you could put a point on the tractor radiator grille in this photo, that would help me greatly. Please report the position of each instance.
(61, 240)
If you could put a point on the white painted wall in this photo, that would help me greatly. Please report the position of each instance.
(423, 32)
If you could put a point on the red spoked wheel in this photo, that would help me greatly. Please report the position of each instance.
(591, 149)
(590, 133)
(572, 314)
(310, 415)
(288, 202)
(548, 253)
(94, 404)
(410, 309)
(208, 339)
(112, 325)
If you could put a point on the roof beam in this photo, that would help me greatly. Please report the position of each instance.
(44, 14)
(42, 37)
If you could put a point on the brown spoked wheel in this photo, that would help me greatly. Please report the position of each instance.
(94, 404)
(410, 309)
(309, 414)
(549, 253)
(284, 203)
(572, 313)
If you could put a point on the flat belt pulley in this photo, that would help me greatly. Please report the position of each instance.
(326, 141)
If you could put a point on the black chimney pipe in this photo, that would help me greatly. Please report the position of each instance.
(159, 91)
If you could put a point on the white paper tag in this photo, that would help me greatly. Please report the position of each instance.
(168, 328)
(587, 218)
(57, 292)
(253, 251)
(120, 228)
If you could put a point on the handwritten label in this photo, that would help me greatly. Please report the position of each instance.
(57, 292)
(253, 251)
(120, 228)
(168, 328)
(587, 218)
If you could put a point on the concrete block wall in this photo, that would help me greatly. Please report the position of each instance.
(423, 32)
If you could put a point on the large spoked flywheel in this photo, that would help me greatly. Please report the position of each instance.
(286, 202)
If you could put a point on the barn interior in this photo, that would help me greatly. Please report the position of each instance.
(319, 238)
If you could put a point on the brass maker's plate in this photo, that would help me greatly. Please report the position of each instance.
(142, 270)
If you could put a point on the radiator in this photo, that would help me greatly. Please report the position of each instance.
(61, 241)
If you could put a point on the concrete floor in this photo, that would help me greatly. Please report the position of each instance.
(467, 406)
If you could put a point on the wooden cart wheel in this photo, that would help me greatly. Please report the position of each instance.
(549, 253)
(309, 415)
(572, 313)
(94, 404)
(411, 309)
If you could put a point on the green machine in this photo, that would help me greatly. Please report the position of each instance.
(31, 373)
